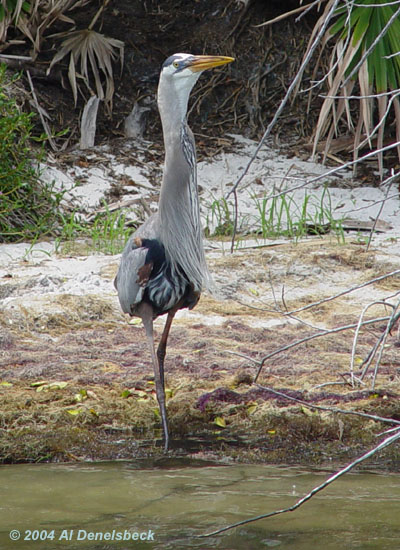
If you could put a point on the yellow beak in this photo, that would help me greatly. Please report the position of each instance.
(203, 62)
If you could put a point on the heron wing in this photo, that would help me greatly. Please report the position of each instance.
(149, 229)
(133, 272)
(132, 276)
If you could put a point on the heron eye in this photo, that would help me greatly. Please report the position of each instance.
(175, 64)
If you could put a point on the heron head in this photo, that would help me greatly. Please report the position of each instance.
(184, 65)
(180, 72)
(182, 69)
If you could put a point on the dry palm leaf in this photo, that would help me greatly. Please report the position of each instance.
(10, 12)
(367, 40)
(32, 18)
(43, 14)
(96, 50)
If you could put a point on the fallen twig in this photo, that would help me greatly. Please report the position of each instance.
(334, 383)
(392, 321)
(355, 339)
(284, 101)
(334, 170)
(379, 214)
(347, 291)
(284, 15)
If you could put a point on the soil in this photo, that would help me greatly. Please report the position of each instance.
(243, 98)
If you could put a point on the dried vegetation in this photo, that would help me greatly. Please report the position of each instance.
(78, 384)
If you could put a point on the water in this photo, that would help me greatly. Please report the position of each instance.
(70, 505)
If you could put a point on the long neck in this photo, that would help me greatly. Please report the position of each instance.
(180, 229)
(172, 99)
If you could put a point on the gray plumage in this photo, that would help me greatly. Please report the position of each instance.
(130, 292)
(163, 266)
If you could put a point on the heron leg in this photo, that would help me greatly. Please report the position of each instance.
(162, 346)
(146, 312)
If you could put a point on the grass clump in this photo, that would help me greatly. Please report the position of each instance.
(220, 219)
(107, 233)
(283, 215)
(28, 207)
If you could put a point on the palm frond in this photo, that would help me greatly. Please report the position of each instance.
(34, 17)
(10, 13)
(95, 54)
(367, 38)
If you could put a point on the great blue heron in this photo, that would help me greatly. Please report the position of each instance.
(163, 267)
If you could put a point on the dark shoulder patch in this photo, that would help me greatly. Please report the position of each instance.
(144, 273)
(155, 254)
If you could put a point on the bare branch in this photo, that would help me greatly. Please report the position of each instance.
(355, 339)
(347, 291)
(323, 300)
(369, 96)
(287, 14)
(382, 119)
(315, 179)
(287, 95)
(392, 321)
(385, 443)
(378, 216)
(394, 196)
(235, 219)
(335, 383)
(312, 337)
(330, 409)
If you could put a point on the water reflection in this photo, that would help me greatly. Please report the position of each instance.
(162, 506)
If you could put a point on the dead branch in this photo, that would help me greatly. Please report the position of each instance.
(335, 383)
(349, 164)
(329, 409)
(379, 214)
(347, 291)
(380, 343)
(392, 321)
(312, 337)
(355, 339)
(260, 362)
(285, 15)
(284, 102)
(385, 443)
(394, 196)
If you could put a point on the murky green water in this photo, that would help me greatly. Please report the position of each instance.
(71, 505)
